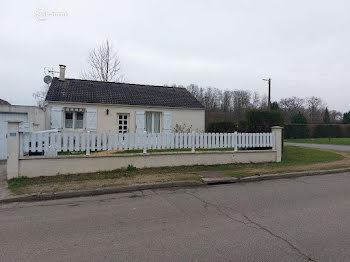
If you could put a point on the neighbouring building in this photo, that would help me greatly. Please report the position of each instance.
(33, 115)
(84, 105)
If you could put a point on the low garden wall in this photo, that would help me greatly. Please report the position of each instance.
(230, 148)
(62, 165)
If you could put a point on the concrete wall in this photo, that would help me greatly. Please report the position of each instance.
(32, 114)
(40, 166)
(108, 123)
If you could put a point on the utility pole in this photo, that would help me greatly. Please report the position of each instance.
(269, 97)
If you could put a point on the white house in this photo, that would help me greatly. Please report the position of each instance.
(75, 105)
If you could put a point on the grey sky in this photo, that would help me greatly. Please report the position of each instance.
(304, 46)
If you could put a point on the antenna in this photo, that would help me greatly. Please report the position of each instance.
(49, 71)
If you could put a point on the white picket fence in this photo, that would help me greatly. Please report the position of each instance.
(51, 142)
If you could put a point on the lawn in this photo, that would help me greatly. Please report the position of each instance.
(333, 141)
(294, 159)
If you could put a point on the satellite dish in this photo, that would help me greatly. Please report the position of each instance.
(48, 79)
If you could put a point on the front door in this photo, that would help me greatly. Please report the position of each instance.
(123, 123)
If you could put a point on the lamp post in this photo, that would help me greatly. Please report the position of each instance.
(269, 97)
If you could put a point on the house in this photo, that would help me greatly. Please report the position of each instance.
(84, 105)
(4, 102)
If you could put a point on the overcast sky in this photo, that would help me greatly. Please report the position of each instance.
(303, 45)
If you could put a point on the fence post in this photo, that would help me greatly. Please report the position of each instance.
(193, 142)
(144, 142)
(236, 140)
(88, 143)
(277, 142)
(13, 150)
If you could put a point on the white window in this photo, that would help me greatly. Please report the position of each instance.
(79, 120)
(74, 118)
(152, 122)
(123, 123)
(68, 121)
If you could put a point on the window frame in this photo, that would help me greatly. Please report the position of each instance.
(127, 125)
(152, 125)
(75, 112)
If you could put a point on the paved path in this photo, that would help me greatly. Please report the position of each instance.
(322, 146)
(3, 182)
(303, 219)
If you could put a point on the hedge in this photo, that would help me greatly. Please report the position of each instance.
(296, 131)
(222, 127)
(316, 131)
(262, 120)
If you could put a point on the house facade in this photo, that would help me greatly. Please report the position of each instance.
(75, 105)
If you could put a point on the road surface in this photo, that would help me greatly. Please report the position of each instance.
(303, 219)
(321, 146)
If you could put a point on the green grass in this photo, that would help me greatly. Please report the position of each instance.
(294, 155)
(333, 141)
(293, 159)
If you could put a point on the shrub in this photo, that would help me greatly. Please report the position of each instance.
(299, 119)
(131, 168)
(296, 131)
(262, 120)
(222, 127)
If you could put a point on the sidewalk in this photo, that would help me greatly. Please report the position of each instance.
(4, 192)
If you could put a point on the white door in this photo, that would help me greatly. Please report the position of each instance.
(123, 123)
(3, 140)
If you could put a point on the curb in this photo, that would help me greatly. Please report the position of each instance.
(177, 184)
(99, 191)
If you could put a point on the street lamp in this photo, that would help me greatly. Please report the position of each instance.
(269, 98)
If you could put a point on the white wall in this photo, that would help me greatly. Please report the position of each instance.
(108, 123)
(65, 165)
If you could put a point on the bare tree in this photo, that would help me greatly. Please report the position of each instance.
(40, 96)
(315, 107)
(241, 102)
(291, 106)
(104, 64)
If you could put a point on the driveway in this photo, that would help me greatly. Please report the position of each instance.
(322, 146)
(303, 219)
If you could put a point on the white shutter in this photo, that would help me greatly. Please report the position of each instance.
(56, 117)
(167, 122)
(140, 121)
(91, 119)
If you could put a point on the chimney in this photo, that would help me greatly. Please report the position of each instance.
(62, 72)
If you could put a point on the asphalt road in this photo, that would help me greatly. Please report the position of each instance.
(322, 146)
(303, 219)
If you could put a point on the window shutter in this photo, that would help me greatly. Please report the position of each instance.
(167, 122)
(91, 119)
(56, 117)
(140, 121)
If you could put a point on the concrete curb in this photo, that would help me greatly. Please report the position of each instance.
(205, 182)
(99, 191)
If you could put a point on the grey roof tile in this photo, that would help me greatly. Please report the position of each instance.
(87, 91)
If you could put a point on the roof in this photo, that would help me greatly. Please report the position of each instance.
(87, 91)
(4, 102)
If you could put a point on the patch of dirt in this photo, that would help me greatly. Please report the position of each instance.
(90, 184)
